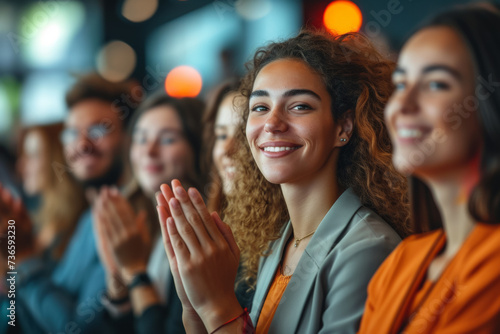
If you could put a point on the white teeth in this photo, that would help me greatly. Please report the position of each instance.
(409, 133)
(279, 149)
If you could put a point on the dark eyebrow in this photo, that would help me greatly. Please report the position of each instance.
(432, 68)
(399, 70)
(162, 131)
(445, 68)
(259, 93)
(292, 92)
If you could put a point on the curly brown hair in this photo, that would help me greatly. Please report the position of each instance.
(358, 79)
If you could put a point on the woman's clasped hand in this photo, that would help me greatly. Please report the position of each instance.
(196, 242)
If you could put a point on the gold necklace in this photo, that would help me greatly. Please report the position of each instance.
(297, 240)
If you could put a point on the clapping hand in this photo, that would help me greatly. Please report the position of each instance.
(15, 225)
(203, 255)
(123, 239)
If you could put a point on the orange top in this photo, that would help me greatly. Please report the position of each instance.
(272, 301)
(465, 299)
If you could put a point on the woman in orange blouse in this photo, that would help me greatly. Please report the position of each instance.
(444, 121)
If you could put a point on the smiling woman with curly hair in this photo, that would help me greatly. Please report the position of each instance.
(316, 199)
(356, 83)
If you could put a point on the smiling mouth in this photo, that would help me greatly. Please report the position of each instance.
(279, 149)
(153, 168)
(406, 133)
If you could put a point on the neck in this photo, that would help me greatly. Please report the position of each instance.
(308, 201)
(451, 193)
(457, 222)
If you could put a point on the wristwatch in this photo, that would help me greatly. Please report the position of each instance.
(139, 279)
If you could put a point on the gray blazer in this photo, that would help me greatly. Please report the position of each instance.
(327, 291)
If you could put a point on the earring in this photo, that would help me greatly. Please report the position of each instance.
(343, 139)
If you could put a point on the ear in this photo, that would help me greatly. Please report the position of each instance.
(345, 126)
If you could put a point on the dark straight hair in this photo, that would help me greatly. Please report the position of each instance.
(480, 30)
(190, 112)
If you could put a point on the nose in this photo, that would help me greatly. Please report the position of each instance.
(83, 144)
(408, 102)
(275, 122)
(152, 148)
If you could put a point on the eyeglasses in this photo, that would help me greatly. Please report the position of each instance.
(93, 133)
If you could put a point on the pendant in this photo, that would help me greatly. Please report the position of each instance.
(296, 243)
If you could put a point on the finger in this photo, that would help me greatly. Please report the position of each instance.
(176, 247)
(163, 213)
(171, 256)
(163, 227)
(228, 235)
(104, 244)
(166, 192)
(183, 229)
(99, 221)
(107, 234)
(191, 213)
(201, 209)
(112, 218)
(102, 228)
(161, 201)
(123, 210)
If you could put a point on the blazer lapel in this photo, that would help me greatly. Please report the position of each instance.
(330, 231)
(267, 271)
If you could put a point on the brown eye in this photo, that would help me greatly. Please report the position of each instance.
(399, 86)
(259, 108)
(438, 85)
(302, 107)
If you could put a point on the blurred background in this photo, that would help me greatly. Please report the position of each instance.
(183, 46)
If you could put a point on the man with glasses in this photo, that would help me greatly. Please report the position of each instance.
(67, 299)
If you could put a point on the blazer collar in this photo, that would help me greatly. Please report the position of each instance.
(329, 232)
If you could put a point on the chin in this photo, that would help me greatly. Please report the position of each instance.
(404, 164)
(275, 178)
(149, 187)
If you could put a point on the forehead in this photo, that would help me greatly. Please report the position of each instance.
(226, 114)
(436, 45)
(92, 111)
(285, 74)
(33, 142)
(158, 118)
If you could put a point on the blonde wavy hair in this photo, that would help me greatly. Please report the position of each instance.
(358, 79)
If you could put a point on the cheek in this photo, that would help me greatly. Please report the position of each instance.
(176, 157)
(389, 113)
(252, 129)
(218, 153)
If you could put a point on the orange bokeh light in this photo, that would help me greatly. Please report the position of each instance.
(341, 17)
(183, 81)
